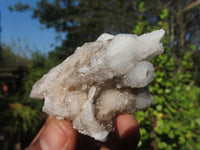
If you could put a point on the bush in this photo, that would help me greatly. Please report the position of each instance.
(173, 122)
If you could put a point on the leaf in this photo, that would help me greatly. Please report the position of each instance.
(159, 107)
(171, 135)
(181, 140)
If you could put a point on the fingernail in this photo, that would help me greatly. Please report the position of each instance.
(43, 144)
(54, 136)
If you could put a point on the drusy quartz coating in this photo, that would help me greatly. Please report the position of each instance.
(102, 78)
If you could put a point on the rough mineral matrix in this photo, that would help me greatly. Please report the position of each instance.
(102, 78)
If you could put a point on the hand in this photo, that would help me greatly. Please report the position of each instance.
(59, 134)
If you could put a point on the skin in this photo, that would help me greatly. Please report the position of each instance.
(60, 135)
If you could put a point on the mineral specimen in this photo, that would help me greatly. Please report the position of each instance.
(102, 78)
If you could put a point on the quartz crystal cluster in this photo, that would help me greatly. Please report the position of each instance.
(102, 78)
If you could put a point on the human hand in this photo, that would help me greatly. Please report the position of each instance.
(59, 134)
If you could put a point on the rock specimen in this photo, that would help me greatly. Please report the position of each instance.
(102, 78)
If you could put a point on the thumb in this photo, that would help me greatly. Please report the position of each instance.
(55, 135)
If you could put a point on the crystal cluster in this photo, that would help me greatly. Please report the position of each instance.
(102, 78)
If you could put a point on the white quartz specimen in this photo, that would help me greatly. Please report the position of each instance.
(102, 78)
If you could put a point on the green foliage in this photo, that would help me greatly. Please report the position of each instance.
(10, 59)
(164, 14)
(22, 115)
(20, 7)
(173, 121)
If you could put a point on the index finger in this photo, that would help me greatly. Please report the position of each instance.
(126, 134)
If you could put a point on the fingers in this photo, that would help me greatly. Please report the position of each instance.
(126, 134)
(127, 130)
(59, 134)
(55, 135)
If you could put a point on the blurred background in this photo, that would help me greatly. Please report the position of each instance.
(37, 35)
